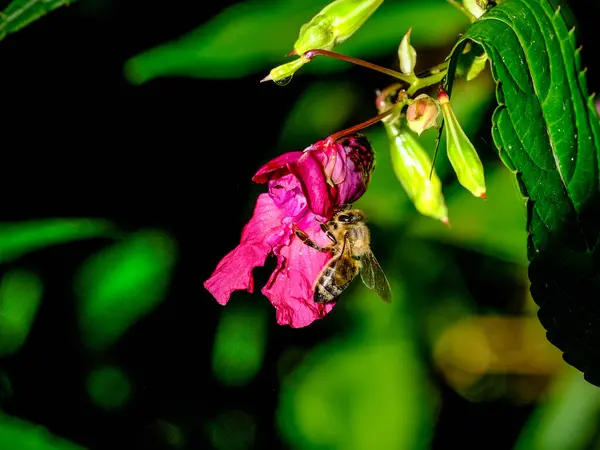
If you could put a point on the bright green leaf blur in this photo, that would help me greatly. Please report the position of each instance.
(253, 36)
(366, 390)
(495, 226)
(123, 283)
(20, 13)
(109, 387)
(566, 419)
(17, 239)
(16, 434)
(240, 343)
(20, 296)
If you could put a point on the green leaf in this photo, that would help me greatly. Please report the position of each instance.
(17, 239)
(547, 131)
(254, 36)
(21, 13)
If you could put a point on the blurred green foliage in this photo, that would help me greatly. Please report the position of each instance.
(16, 434)
(109, 387)
(567, 419)
(311, 117)
(232, 430)
(341, 394)
(20, 296)
(21, 13)
(121, 284)
(240, 343)
(477, 225)
(252, 36)
(17, 239)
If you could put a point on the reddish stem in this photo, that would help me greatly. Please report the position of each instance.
(359, 62)
(367, 123)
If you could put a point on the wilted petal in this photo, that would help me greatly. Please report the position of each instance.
(290, 288)
(263, 231)
(359, 163)
(280, 163)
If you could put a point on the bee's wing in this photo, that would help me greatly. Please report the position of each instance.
(345, 267)
(374, 278)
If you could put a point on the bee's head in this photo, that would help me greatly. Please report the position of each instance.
(350, 217)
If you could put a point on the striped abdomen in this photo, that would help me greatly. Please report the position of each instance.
(334, 278)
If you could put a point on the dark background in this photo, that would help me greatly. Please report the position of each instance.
(175, 154)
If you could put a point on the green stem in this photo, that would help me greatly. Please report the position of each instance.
(462, 9)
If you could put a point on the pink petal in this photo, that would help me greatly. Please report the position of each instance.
(287, 194)
(290, 288)
(266, 172)
(234, 272)
(309, 170)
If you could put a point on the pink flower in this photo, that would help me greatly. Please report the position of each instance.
(304, 188)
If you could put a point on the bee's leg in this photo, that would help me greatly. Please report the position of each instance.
(328, 233)
(304, 238)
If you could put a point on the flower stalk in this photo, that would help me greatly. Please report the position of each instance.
(415, 83)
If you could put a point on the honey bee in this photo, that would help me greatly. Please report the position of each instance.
(352, 255)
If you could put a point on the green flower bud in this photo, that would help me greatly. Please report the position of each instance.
(334, 24)
(282, 74)
(407, 55)
(422, 113)
(461, 153)
(413, 167)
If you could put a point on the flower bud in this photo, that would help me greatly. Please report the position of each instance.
(413, 168)
(407, 55)
(334, 24)
(282, 74)
(461, 153)
(422, 113)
